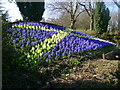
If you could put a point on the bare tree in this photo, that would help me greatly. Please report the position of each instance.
(62, 20)
(89, 9)
(117, 3)
(72, 8)
(83, 22)
(113, 23)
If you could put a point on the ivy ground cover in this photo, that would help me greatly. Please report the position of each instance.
(46, 42)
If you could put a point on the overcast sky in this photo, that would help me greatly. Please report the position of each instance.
(15, 14)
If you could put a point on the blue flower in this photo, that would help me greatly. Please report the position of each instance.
(23, 37)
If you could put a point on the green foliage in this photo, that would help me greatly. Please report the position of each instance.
(112, 37)
(31, 11)
(10, 56)
(90, 32)
(8, 51)
(75, 62)
(101, 17)
(114, 78)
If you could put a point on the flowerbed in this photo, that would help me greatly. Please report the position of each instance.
(46, 42)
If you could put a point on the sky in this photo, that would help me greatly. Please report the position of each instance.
(14, 13)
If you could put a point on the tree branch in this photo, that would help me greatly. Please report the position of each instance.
(79, 14)
(85, 8)
(118, 5)
(65, 8)
(62, 7)
(76, 8)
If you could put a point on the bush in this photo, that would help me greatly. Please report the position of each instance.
(112, 37)
(90, 32)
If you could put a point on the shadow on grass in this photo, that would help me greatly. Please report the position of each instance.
(14, 78)
(97, 54)
(77, 84)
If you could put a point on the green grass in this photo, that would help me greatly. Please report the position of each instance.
(90, 32)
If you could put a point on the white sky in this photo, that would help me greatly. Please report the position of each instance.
(15, 14)
(13, 11)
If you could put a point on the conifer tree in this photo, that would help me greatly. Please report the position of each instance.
(101, 17)
(31, 11)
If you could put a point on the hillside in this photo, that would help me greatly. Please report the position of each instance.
(42, 55)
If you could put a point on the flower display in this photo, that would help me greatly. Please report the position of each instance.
(73, 44)
(34, 25)
(24, 38)
(90, 36)
(40, 41)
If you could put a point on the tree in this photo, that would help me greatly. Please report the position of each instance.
(101, 17)
(113, 23)
(83, 22)
(62, 20)
(118, 5)
(4, 16)
(72, 8)
(89, 9)
(31, 11)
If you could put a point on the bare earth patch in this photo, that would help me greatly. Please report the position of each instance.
(92, 73)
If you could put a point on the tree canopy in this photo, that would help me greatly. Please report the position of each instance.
(101, 17)
(31, 11)
(72, 8)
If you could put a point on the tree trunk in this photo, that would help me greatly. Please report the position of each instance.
(91, 22)
(118, 18)
(91, 16)
(72, 24)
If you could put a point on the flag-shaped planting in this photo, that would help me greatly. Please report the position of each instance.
(47, 42)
